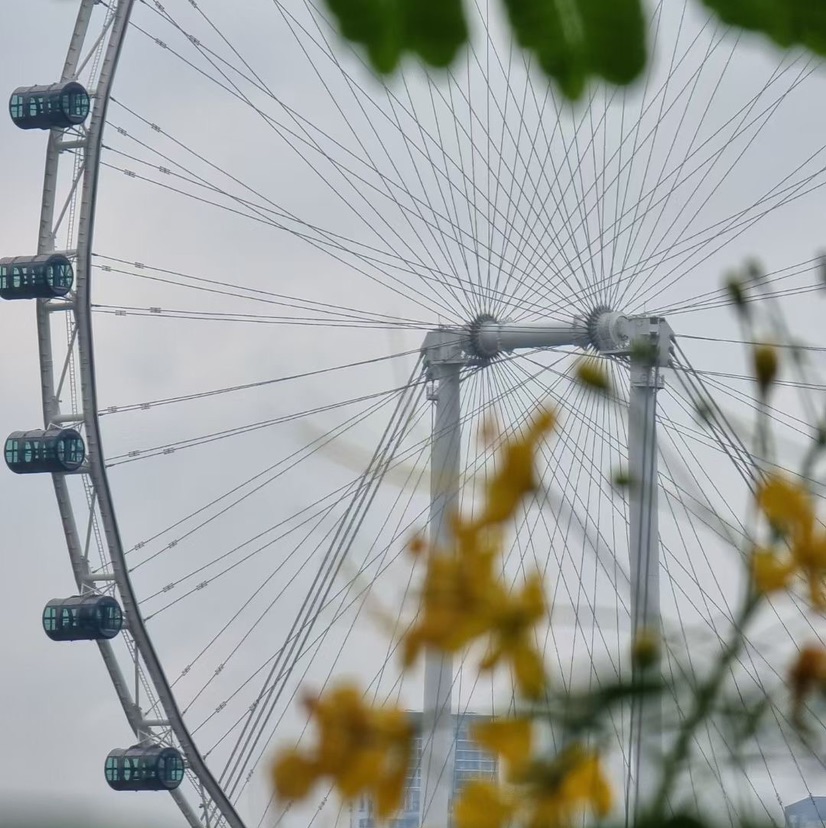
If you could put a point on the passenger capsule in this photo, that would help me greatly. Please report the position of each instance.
(144, 768)
(35, 277)
(82, 618)
(55, 450)
(58, 106)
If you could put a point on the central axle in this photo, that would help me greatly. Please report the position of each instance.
(603, 331)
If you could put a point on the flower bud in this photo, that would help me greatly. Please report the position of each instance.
(734, 287)
(645, 651)
(591, 373)
(765, 366)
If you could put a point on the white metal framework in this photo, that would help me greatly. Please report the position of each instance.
(647, 343)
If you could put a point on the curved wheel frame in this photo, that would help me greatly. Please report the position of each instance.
(168, 725)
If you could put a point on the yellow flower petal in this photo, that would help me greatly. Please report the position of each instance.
(558, 791)
(417, 546)
(360, 749)
(787, 506)
(816, 590)
(765, 365)
(363, 769)
(529, 670)
(482, 805)
(543, 422)
(509, 738)
(548, 812)
(770, 573)
(390, 791)
(293, 775)
(645, 651)
(491, 659)
(586, 785)
(533, 598)
(591, 372)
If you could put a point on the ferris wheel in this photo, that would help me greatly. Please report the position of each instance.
(273, 296)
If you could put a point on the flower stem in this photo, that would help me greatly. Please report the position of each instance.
(703, 702)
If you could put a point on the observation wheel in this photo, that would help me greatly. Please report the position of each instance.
(268, 288)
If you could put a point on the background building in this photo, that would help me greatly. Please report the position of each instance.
(808, 813)
(471, 763)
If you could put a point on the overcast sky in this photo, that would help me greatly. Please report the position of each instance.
(331, 221)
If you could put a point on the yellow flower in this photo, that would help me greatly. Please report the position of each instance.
(592, 373)
(510, 739)
(516, 476)
(770, 572)
(482, 805)
(765, 366)
(360, 749)
(544, 793)
(511, 637)
(558, 791)
(462, 598)
(787, 506)
(417, 546)
(645, 651)
(458, 593)
(294, 775)
(807, 674)
(516, 479)
(789, 509)
(462, 601)
(389, 791)
(585, 786)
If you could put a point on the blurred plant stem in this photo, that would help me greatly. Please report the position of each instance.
(704, 700)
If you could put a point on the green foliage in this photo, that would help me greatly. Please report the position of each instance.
(539, 28)
(613, 38)
(578, 713)
(572, 41)
(786, 22)
(576, 39)
(675, 821)
(434, 30)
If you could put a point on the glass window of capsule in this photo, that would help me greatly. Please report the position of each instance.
(74, 102)
(37, 277)
(58, 106)
(82, 618)
(144, 768)
(16, 105)
(55, 451)
(70, 451)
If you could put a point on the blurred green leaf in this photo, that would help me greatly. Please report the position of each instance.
(614, 38)
(578, 712)
(786, 22)
(538, 27)
(374, 24)
(574, 40)
(675, 821)
(571, 40)
(434, 29)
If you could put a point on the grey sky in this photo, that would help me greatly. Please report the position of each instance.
(380, 180)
